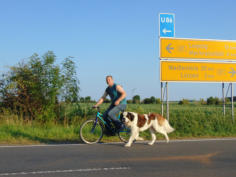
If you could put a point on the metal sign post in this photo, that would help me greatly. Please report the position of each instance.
(230, 87)
(164, 96)
(232, 102)
(167, 102)
(223, 95)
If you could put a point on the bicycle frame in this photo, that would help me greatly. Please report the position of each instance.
(99, 116)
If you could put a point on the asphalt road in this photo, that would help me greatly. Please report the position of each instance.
(210, 158)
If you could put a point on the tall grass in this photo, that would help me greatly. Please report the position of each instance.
(191, 120)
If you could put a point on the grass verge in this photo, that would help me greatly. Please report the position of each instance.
(190, 121)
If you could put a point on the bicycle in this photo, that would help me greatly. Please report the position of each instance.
(92, 130)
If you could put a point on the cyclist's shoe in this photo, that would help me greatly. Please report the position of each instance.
(121, 127)
(109, 133)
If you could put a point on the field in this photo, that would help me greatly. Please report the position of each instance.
(190, 121)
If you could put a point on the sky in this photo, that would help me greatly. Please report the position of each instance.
(112, 37)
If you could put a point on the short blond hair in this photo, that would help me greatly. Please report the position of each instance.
(109, 76)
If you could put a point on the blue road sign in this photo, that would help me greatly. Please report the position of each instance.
(167, 25)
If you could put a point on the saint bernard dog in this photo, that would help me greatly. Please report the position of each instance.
(141, 122)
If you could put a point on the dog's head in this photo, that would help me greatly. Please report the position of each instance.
(127, 118)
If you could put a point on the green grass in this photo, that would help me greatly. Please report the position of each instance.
(18, 133)
(190, 121)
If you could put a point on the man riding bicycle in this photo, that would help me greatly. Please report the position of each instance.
(118, 102)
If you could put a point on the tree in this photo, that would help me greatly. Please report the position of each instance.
(152, 100)
(158, 101)
(136, 99)
(87, 99)
(202, 101)
(183, 102)
(82, 100)
(147, 101)
(129, 101)
(212, 101)
(32, 90)
(70, 87)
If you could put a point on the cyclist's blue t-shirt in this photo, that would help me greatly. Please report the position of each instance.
(114, 94)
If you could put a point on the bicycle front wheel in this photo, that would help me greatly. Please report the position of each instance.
(91, 131)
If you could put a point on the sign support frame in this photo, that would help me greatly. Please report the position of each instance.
(164, 98)
(224, 95)
(164, 90)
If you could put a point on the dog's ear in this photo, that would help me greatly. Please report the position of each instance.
(130, 116)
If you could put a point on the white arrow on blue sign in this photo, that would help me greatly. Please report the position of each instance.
(167, 25)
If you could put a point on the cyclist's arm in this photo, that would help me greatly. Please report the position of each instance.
(100, 101)
(123, 94)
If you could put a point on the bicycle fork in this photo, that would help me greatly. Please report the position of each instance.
(94, 125)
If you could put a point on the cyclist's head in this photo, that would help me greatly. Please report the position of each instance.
(109, 80)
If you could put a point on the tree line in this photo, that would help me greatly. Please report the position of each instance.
(209, 101)
(152, 100)
(135, 100)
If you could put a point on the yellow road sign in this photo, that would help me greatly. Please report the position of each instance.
(176, 48)
(173, 71)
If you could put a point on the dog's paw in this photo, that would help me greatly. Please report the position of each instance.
(150, 143)
(139, 139)
(127, 145)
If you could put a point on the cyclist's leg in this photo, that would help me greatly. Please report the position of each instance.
(114, 111)
(105, 116)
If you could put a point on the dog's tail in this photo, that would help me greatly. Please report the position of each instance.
(167, 127)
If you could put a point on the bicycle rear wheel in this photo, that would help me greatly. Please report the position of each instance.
(91, 131)
(124, 134)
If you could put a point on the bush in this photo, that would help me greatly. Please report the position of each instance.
(202, 101)
(147, 101)
(183, 102)
(213, 101)
(136, 99)
(151, 100)
(129, 101)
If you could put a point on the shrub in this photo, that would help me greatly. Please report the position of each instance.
(151, 100)
(136, 99)
(183, 102)
(213, 101)
(202, 101)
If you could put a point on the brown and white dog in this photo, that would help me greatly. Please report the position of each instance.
(141, 122)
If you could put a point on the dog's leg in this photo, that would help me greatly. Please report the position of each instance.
(139, 138)
(165, 134)
(134, 134)
(162, 131)
(153, 136)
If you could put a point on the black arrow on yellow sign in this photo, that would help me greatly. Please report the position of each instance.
(233, 72)
(169, 48)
